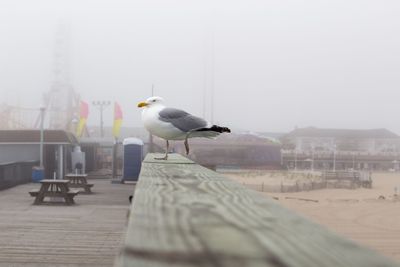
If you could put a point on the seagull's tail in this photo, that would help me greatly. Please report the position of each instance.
(218, 129)
(209, 132)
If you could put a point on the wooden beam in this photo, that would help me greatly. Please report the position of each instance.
(186, 215)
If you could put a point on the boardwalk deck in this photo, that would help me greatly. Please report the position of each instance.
(86, 234)
(186, 215)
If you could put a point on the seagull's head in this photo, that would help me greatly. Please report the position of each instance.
(151, 101)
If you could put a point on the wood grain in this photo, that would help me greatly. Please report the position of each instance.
(87, 234)
(187, 215)
(172, 159)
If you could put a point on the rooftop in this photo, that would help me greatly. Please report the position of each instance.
(33, 137)
(343, 133)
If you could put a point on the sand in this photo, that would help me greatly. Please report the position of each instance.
(360, 214)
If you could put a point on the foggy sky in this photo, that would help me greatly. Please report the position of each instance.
(277, 64)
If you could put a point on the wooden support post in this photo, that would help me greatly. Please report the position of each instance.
(188, 216)
(114, 158)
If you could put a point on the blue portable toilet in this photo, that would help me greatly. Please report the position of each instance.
(37, 174)
(133, 156)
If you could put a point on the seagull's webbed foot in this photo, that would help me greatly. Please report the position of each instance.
(166, 153)
(163, 158)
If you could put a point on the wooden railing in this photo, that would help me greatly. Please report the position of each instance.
(186, 215)
(15, 173)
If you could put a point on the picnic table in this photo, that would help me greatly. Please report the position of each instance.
(53, 188)
(78, 180)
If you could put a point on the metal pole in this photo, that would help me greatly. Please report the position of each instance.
(114, 159)
(101, 105)
(101, 121)
(42, 110)
(60, 162)
(212, 74)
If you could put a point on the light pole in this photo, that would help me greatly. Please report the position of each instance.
(101, 105)
(42, 110)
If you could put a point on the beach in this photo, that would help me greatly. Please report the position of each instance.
(370, 217)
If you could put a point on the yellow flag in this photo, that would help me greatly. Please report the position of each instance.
(83, 114)
(117, 120)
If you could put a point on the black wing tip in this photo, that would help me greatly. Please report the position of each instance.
(221, 129)
(215, 128)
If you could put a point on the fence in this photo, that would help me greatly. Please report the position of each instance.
(296, 182)
(348, 179)
(15, 173)
(286, 188)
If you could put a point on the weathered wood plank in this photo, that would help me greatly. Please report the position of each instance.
(87, 234)
(186, 215)
(172, 159)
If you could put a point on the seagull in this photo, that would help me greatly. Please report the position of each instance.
(175, 124)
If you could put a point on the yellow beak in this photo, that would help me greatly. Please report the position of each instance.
(142, 104)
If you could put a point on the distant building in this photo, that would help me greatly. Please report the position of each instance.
(232, 151)
(341, 149)
(24, 145)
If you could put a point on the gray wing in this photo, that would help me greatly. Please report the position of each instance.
(181, 119)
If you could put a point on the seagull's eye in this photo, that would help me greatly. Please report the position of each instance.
(153, 100)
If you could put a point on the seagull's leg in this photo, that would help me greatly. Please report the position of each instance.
(166, 153)
(187, 145)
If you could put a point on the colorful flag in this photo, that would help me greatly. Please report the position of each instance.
(117, 120)
(83, 115)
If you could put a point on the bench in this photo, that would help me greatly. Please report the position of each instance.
(73, 192)
(86, 187)
(34, 192)
(79, 181)
(53, 189)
